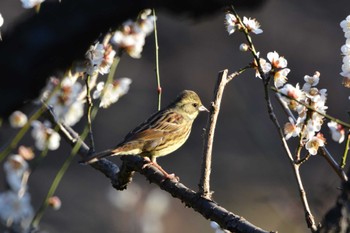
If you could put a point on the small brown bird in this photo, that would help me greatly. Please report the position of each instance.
(161, 134)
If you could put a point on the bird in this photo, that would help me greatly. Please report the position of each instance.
(161, 134)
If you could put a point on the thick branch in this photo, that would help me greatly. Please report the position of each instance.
(120, 178)
(207, 208)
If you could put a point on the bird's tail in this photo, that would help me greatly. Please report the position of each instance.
(97, 156)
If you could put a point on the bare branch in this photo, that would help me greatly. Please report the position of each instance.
(204, 183)
(207, 208)
(335, 166)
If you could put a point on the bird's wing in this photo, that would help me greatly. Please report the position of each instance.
(156, 126)
(151, 133)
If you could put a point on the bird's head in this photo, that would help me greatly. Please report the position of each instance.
(189, 103)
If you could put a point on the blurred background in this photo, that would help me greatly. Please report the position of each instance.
(251, 175)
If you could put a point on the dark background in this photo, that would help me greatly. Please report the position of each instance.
(251, 175)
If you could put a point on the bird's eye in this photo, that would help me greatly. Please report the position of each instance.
(195, 105)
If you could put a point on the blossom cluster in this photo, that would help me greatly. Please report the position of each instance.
(345, 49)
(44, 136)
(131, 36)
(100, 58)
(309, 103)
(64, 97)
(67, 96)
(276, 67)
(112, 92)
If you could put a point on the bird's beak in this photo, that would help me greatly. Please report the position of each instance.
(202, 108)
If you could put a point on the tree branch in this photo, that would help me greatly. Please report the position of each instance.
(121, 177)
(204, 183)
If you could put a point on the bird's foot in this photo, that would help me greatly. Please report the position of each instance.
(171, 176)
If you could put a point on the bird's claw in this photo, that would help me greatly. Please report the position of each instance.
(171, 176)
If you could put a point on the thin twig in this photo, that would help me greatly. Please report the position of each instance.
(335, 166)
(346, 150)
(89, 106)
(159, 88)
(310, 220)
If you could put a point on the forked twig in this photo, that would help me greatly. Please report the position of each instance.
(223, 79)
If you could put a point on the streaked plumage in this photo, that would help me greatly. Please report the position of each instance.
(164, 132)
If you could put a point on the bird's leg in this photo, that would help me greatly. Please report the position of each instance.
(153, 161)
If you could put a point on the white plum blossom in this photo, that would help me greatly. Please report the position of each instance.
(100, 58)
(318, 97)
(44, 136)
(95, 57)
(108, 59)
(311, 81)
(291, 96)
(265, 66)
(31, 3)
(17, 171)
(314, 144)
(291, 129)
(146, 21)
(18, 119)
(345, 25)
(66, 103)
(131, 37)
(280, 77)
(16, 209)
(112, 92)
(231, 23)
(279, 69)
(276, 60)
(337, 131)
(345, 49)
(294, 93)
(252, 25)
